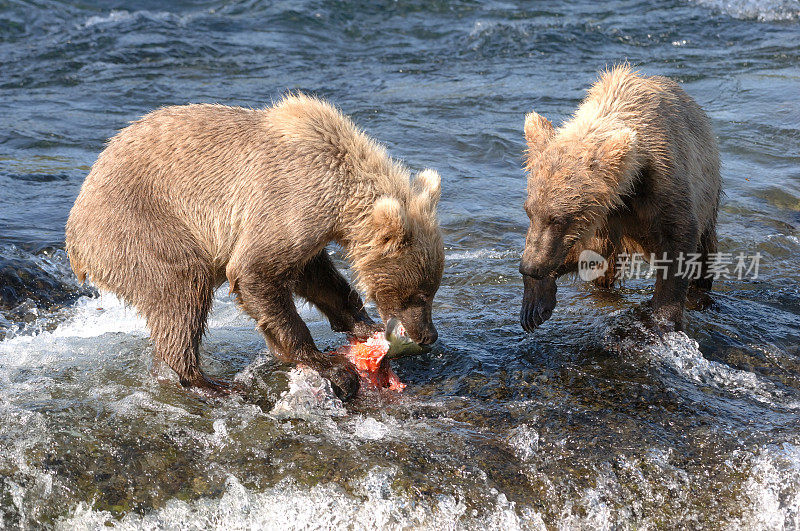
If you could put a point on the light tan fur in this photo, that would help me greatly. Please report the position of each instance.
(189, 196)
(636, 169)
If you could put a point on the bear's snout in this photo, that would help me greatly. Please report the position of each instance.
(536, 267)
(419, 325)
(537, 271)
(423, 334)
(429, 336)
(544, 250)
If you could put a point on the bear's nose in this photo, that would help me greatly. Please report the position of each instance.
(429, 337)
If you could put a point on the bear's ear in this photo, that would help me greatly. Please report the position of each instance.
(615, 152)
(390, 224)
(428, 186)
(538, 132)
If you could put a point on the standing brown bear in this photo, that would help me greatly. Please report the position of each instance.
(635, 170)
(190, 196)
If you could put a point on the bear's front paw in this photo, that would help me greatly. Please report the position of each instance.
(365, 329)
(344, 379)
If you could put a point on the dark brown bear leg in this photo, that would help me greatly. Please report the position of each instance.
(669, 295)
(678, 237)
(176, 314)
(708, 246)
(610, 276)
(324, 287)
(268, 300)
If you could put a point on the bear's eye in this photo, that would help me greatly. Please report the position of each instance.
(416, 300)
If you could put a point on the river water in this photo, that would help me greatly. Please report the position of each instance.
(591, 422)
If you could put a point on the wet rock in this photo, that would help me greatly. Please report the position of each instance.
(31, 284)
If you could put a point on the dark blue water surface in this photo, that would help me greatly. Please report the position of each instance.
(590, 422)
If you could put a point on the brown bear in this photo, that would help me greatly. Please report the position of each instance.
(189, 196)
(635, 170)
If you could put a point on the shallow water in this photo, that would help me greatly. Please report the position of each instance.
(590, 422)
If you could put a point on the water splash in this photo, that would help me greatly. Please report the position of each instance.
(308, 397)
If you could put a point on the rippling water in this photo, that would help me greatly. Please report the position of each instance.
(591, 422)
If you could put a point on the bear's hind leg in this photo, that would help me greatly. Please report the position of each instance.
(324, 287)
(708, 248)
(176, 316)
(672, 285)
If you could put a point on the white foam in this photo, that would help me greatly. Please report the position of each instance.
(763, 10)
(117, 16)
(598, 513)
(220, 432)
(785, 240)
(90, 318)
(683, 354)
(677, 351)
(96, 317)
(111, 17)
(326, 506)
(773, 489)
(483, 254)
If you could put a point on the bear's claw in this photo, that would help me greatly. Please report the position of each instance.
(211, 387)
(344, 380)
